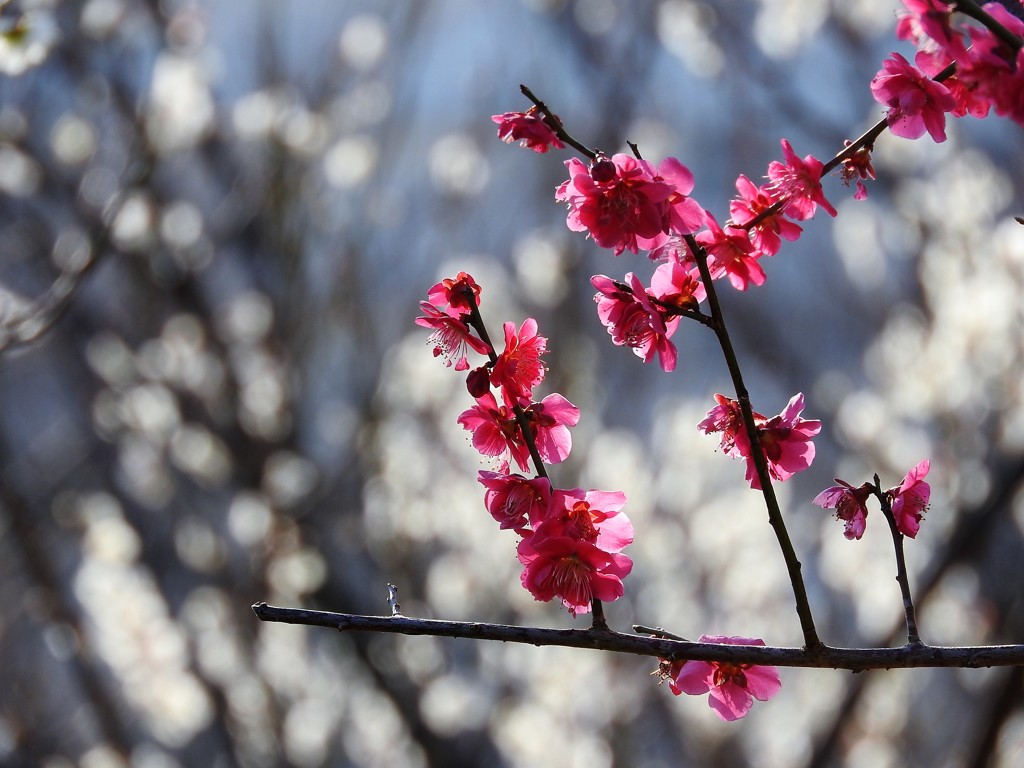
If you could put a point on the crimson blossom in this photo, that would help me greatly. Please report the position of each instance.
(515, 501)
(452, 337)
(529, 128)
(751, 203)
(916, 102)
(850, 505)
(785, 439)
(624, 202)
(731, 254)
(518, 368)
(910, 500)
(732, 688)
(798, 183)
(573, 570)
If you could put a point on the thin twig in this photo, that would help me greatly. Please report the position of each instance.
(803, 606)
(913, 636)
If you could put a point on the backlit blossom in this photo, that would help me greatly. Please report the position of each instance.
(726, 419)
(632, 320)
(927, 25)
(592, 516)
(785, 439)
(452, 338)
(732, 688)
(798, 182)
(573, 570)
(496, 432)
(910, 500)
(786, 442)
(518, 368)
(627, 203)
(916, 102)
(549, 422)
(516, 502)
(857, 166)
(456, 296)
(766, 234)
(529, 128)
(850, 505)
(732, 255)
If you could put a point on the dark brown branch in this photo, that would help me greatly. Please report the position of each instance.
(823, 657)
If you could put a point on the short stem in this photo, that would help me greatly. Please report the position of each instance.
(477, 321)
(803, 607)
(597, 610)
(557, 126)
(913, 636)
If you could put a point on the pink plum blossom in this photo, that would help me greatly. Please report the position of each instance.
(850, 505)
(530, 129)
(496, 432)
(786, 442)
(857, 166)
(732, 688)
(592, 516)
(766, 234)
(452, 338)
(516, 502)
(456, 296)
(927, 25)
(627, 203)
(518, 368)
(798, 183)
(632, 320)
(617, 200)
(910, 500)
(785, 439)
(916, 102)
(574, 570)
(549, 422)
(731, 255)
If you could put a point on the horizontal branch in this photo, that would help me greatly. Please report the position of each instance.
(823, 657)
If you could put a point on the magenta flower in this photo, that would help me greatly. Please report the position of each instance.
(732, 687)
(516, 502)
(549, 422)
(518, 368)
(785, 439)
(731, 254)
(927, 25)
(857, 166)
(850, 505)
(910, 500)
(625, 203)
(632, 320)
(592, 516)
(452, 338)
(456, 296)
(496, 432)
(786, 442)
(916, 102)
(765, 235)
(574, 570)
(726, 419)
(684, 214)
(617, 200)
(529, 128)
(798, 182)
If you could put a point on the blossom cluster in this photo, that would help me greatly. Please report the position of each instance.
(989, 72)
(907, 502)
(571, 541)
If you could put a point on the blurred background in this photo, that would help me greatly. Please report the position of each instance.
(216, 221)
